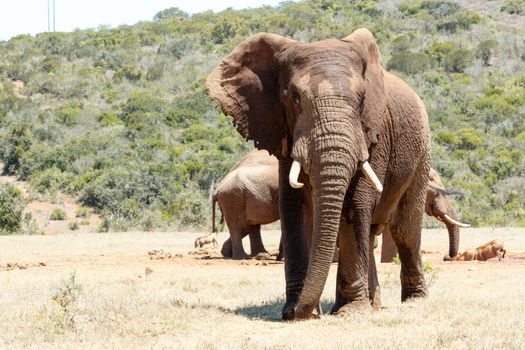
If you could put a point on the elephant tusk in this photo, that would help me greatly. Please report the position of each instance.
(372, 177)
(454, 222)
(294, 175)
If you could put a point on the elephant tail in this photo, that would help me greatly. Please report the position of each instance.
(213, 202)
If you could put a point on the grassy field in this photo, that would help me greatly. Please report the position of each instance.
(105, 291)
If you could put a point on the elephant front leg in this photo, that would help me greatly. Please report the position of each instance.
(294, 243)
(352, 290)
(406, 232)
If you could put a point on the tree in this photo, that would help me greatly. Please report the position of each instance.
(169, 13)
(11, 209)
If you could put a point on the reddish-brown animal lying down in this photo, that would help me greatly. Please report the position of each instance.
(484, 252)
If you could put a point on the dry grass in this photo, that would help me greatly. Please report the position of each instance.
(119, 298)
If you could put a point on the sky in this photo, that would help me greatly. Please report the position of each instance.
(31, 16)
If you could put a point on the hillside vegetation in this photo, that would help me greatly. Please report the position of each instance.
(120, 119)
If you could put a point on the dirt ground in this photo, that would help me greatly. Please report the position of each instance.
(154, 290)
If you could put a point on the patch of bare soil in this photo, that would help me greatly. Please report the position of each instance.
(40, 210)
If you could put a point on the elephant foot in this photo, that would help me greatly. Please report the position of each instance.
(413, 293)
(241, 256)
(293, 312)
(351, 308)
(376, 300)
(226, 249)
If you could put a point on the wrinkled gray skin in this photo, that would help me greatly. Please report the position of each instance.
(248, 198)
(437, 204)
(330, 106)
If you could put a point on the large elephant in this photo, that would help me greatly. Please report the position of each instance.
(437, 205)
(248, 198)
(330, 113)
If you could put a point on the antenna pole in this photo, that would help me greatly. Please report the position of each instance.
(48, 17)
(54, 27)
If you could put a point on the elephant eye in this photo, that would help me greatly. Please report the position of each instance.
(295, 99)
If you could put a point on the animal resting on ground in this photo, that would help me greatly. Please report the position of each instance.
(352, 142)
(484, 252)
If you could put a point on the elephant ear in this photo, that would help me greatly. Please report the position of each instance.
(374, 103)
(246, 84)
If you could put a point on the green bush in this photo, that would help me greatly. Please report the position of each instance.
(11, 208)
(451, 58)
(83, 212)
(409, 62)
(73, 225)
(485, 50)
(58, 214)
(513, 6)
(18, 142)
(109, 119)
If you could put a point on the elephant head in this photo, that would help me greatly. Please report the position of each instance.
(319, 104)
(439, 206)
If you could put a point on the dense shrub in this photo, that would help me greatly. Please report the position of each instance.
(513, 6)
(409, 62)
(58, 214)
(11, 208)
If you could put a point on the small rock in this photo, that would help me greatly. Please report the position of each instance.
(472, 269)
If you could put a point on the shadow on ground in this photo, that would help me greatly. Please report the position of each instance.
(271, 310)
(265, 311)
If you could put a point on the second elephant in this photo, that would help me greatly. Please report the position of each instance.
(248, 198)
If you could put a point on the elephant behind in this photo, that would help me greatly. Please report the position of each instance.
(248, 198)
(437, 205)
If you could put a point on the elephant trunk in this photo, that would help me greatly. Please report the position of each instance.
(330, 153)
(328, 197)
(453, 237)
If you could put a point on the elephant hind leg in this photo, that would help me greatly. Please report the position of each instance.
(226, 249)
(256, 243)
(406, 232)
(238, 251)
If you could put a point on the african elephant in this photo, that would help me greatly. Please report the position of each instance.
(437, 205)
(343, 129)
(484, 252)
(247, 198)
